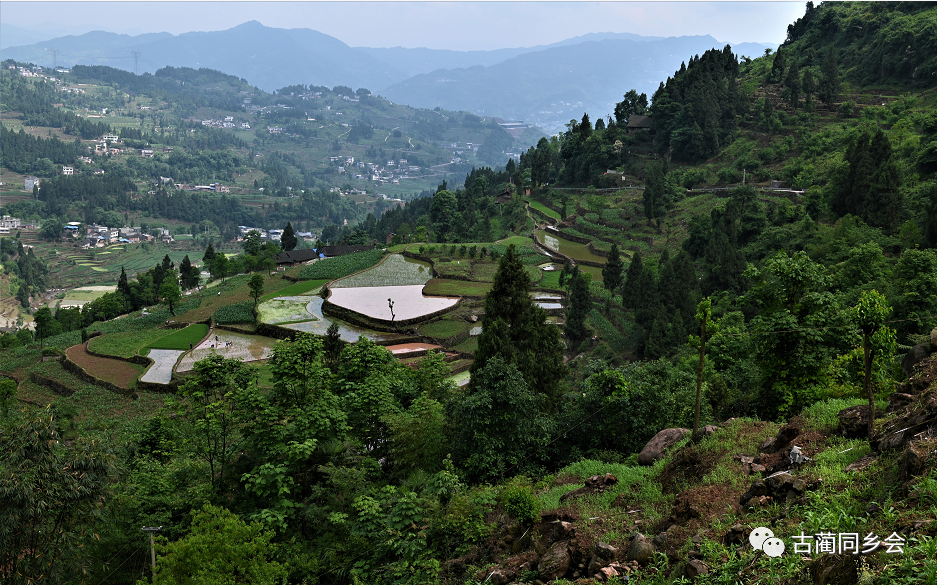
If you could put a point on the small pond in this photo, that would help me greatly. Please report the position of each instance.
(409, 301)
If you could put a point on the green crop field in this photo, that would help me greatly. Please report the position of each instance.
(544, 209)
(444, 328)
(395, 270)
(183, 338)
(296, 289)
(470, 345)
(453, 288)
(332, 268)
(127, 343)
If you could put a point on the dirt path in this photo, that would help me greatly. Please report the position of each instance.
(117, 372)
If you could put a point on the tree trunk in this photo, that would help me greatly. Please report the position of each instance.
(868, 382)
(699, 377)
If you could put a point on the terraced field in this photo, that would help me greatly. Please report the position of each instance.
(118, 372)
(574, 250)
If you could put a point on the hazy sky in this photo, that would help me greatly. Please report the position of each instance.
(437, 25)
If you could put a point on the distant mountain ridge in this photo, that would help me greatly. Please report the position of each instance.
(536, 84)
(548, 88)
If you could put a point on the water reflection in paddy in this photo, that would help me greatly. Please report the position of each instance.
(409, 301)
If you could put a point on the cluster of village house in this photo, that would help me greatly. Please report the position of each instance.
(8, 224)
(99, 236)
(391, 173)
(273, 235)
(228, 122)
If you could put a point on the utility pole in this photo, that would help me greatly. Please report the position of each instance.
(136, 61)
(151, 530)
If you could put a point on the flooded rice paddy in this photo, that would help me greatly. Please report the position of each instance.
(372, 301)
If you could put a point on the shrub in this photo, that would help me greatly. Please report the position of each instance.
(521, 503)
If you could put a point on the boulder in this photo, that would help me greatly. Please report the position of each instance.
(914, 357)
(917, 418)
(594, 484)
(602, 556)
(788, 433)
(564, 530)
(860, 464)
(834, 570)
(605, 551)
(500, 577)
(757, 489)
(933, 339)
(555, 562)
(911, 462)
(736, 535)
(641, 550)
(658, 445)
(694, 568)
(768, 445)
(758, 468)
(779, 483)
(854, 421)
(898, 400)
(605, 574)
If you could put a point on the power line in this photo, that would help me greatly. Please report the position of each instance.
(121, 565)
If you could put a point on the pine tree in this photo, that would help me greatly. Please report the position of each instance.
(123, 284)
(517, 331)
(580, 303)
(631, 291)
(777, 67)
(613, 269)
(828, 90)
(188, 276)
(655, 190)
(808, 84)
(654, 348)
(208, 259)
(288, 240)
(792, 84)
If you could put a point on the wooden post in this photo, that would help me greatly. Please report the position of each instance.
(151, 530)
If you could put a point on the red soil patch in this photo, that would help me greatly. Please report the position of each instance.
(406, 348)
(117, 372)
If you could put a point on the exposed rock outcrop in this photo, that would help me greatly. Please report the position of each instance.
(659, 443)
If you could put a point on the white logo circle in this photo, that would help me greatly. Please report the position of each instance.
(773, 547)
(759, 536)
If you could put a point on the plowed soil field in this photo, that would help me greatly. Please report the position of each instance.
(117, 372)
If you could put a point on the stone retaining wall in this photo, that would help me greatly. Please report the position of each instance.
(54, 385)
